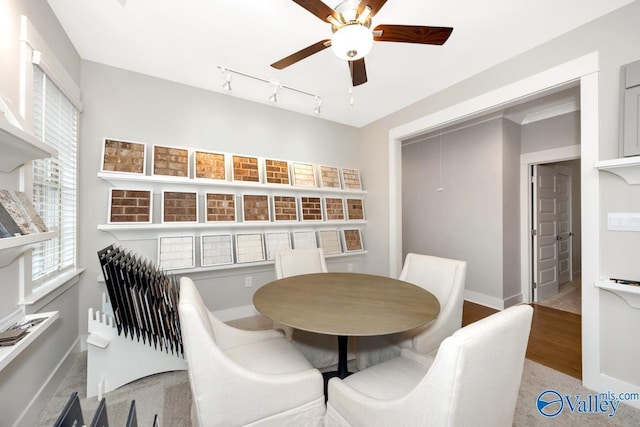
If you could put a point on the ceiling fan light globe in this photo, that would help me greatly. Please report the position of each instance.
(352, 42)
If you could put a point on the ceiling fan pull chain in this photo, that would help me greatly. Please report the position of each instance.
(351, 95)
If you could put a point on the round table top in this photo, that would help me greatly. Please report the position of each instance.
(349, 304)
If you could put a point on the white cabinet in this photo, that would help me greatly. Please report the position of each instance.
(630, 104)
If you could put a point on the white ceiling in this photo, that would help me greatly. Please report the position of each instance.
(186, 41)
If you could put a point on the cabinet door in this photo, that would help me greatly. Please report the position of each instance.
(631, 135)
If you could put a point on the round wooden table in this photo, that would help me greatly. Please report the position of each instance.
(346, 304)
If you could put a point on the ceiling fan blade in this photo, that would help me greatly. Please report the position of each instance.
(318, 8)
(358, 72)
(375, 6)
(412, 34)
(301, 54)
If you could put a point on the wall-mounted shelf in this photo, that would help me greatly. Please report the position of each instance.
(630, 293)
(12, 247)
(7, 354)
(151, 231)
(627, 168)
(167, 183)
(19, 147)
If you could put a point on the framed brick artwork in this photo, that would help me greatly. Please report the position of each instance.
(249, 247)
(276, 241)
(333, 208)
(352, 240)
(124, 157)
(255, 207)
(355, 209)
(216, 249)
(329, 177)
(170, 161)
(310, 208)
(245, 168)
(130, 206)
(179, 206)
(303, 174)
(276, 172)
(220, 207)
(329, 241)
(285, 208)
(351, 179)
(176, 252)
(209, 165)
(304, 239)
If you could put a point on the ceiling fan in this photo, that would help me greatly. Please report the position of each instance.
(353, 38)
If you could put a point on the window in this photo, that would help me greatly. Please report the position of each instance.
(54, 180)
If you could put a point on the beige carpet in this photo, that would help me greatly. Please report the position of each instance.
(569, 298)
(169, 396)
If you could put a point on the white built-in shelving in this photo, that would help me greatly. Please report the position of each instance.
(8, 353)
(630, 293)
(16, 148)
(627, 168)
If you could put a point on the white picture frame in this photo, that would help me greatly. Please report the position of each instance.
(176, 252)
(249, 247)
(216, 249)
(104, 155)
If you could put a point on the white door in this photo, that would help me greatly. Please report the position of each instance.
(545, 245)
(563, 203)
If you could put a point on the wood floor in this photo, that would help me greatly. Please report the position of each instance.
(555, 339)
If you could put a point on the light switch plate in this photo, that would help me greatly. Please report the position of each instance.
(623, 221)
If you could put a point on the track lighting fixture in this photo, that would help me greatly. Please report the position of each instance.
(276, 87)
(318, 105)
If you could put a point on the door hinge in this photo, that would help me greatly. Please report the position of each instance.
(533, 179)
(534, 232)
(535, 285)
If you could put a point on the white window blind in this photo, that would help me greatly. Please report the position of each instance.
(54, 179)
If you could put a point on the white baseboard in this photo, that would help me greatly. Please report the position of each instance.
(514, 300)
(482, 299)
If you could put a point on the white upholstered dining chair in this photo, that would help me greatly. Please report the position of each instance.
(473, 380)
(321, 350)
(241, 378)
(443, 277)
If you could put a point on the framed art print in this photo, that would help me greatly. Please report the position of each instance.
(220, 207)
(245, 168)
(304, 239)
(329, 177)
(176, 252)
(179, 206)
(276, 172)
(170, 161)
(352, 240)
(285, 208)
(249, 247)
(275, 241)
(255, 207)
(303, 174)
(351, 179)
(130, 206)
(216, 249)
(123, 156)
(329, 241)
(209, 165)
(310, 208)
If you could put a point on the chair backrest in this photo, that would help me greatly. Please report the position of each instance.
(445, 278)
(475, 377)
(292, 262)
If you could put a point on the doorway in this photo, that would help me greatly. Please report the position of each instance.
(555, 222)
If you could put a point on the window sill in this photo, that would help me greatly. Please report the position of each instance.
(47, 292)
(7, 354)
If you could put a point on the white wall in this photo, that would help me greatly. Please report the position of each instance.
(613, 38)
(125, 105)
(29, 380)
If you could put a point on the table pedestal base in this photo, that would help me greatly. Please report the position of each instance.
(343, 369)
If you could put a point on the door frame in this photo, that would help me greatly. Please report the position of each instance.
(528, 160)
(584, 70)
